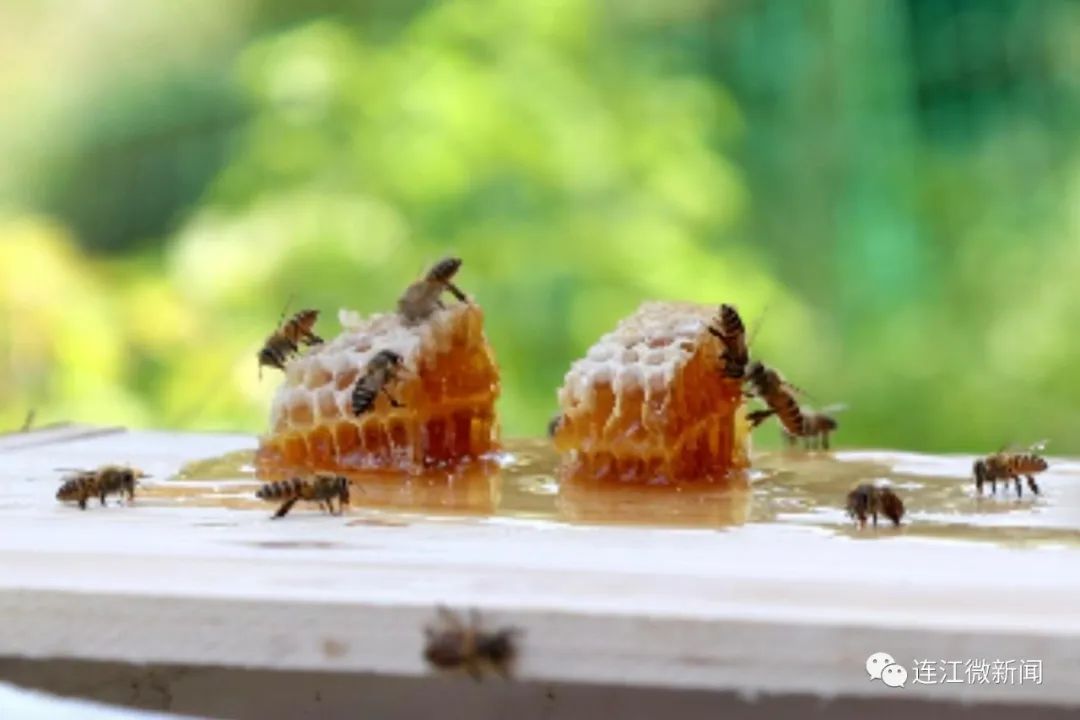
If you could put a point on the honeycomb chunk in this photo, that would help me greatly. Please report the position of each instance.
(649, 403)
(447, 393)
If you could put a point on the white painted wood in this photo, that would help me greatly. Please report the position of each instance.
(27, 705)
(756, 609)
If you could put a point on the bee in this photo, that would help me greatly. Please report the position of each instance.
(871, 500)
(453, 645)
(423, 297)
(1004, 465)
(322, 488)
(82, 485)
(381, 370)
(729, 328)
(778, 395)
(285, 341)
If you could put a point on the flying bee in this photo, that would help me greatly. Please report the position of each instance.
(729, 328)
(82, 485)
(383, 369)
(322, 488)
(423, 297)
(1005, 465)
(454, 645)
(778, 395)
(285, 341)
(871, 500)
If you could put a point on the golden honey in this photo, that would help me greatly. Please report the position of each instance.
(448, 396)
(649, 402)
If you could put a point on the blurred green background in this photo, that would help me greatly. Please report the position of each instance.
(897, 182)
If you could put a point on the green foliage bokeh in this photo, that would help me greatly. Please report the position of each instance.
(895, 204)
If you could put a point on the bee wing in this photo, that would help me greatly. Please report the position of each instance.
(834, 408)
(1017, 447)
(74, 470)
(796, 390)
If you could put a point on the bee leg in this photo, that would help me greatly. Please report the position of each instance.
(82, 502)
(825, 441)
(102, 498)
(1031, 484)
(993, 486)
(391, 398)
(1019, 487)
(285, 508)
(456, 292)
(875, 518)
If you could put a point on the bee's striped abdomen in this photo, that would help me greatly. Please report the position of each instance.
(363, 397)
(1026, 464)
(76, 488)
(732, 333)
(730, 322)
(789, 413)
(445, 269)
(281, 490)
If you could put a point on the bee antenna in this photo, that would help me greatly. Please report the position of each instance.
(284, 310)
(758, 322)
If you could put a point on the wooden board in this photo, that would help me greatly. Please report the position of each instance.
(757, 609)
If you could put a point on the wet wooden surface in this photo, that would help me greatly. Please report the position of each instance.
(754, 608)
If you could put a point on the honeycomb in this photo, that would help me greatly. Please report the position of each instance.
(448, 394)
(649, 403)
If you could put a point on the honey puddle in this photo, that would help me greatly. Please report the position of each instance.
(791, 488)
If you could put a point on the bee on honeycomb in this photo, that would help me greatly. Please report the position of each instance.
(650, 402)
(443, 411)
